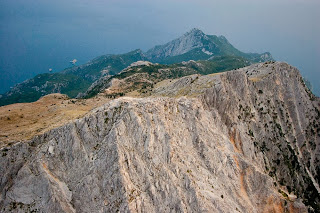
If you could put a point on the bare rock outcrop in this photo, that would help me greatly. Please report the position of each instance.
(240, 141)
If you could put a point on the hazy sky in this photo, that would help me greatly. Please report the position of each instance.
(36, 35)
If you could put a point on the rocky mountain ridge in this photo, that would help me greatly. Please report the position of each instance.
(144, 75)
(240, 141)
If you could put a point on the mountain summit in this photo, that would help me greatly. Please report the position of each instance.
(189, 41)
(196, 45)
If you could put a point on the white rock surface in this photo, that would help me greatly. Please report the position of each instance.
(192, 152)
(184, 44)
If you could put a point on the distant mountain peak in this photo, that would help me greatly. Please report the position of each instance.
(195, 31)
(195, 35)
(196, 45)
(189, 41)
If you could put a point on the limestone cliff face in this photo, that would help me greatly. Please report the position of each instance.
(241, 141)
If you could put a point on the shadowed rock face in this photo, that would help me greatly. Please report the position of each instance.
(245, 141)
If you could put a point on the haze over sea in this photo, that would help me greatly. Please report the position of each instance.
(37, 35)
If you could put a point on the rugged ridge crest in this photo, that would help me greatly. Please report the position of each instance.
(245, 140)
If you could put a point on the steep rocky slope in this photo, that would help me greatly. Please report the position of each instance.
(240, 141)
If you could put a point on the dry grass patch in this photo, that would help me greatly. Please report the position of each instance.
(22, 121)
